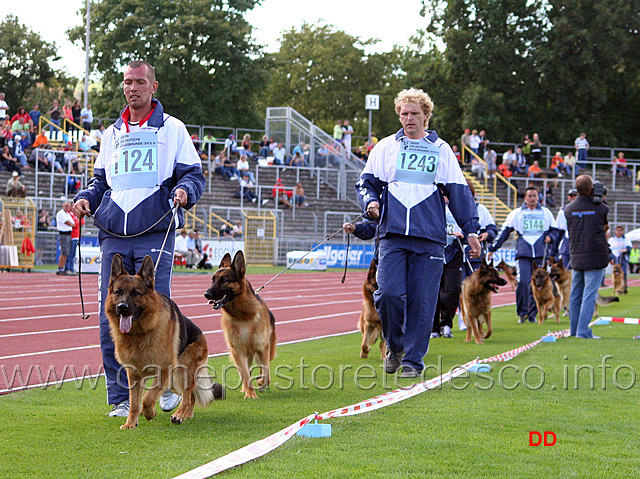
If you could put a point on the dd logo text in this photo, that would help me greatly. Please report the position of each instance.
(547, 438)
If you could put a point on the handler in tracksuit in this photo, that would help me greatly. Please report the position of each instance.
(537, 231)
(147, 163)
(401, 185)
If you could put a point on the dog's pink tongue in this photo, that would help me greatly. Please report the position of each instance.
(125, 324)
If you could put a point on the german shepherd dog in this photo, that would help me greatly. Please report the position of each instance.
(562, 277)
(475, 301)
(619, 282)
(153, 339)
(248, 325)
(546, 294)
(369, 322)
(510, 272)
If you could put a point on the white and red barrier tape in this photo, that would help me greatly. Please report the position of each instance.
(620, 320)
(263, 446)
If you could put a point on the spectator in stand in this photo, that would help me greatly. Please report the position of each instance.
(35, 115)
(230, 146)
(181, 249)
(557, 164)
(226, 231)
(299, 148)
(243, 168)
(67, 113)
(208, 144)
(484, 143)
(22, 113)
(582, 147)
(490, 158)
(337, 132)
(534, 170)
(298, 160)
(55, 113)
(273, 144)
(263, 152)
(75, 237)
(620, 165)
(478, 168)
(64, 223)
(76, 113)
(246, 145)
(16, 150)
(465, 139)
(536, 148)
(4, 108)
(526, 146)
(520, 165)
(193, 255)
(5, 133)
(40, 141)
(237, 229)
(246, 189)
(298, 195)
(347, 131)
(474, 141)
(87, 117)
(225, 168)
(280, 155)
(15, 186)
(570, 163)
(9, 161)
(44, 220)
(281, 194)
(327, 156)
(456, 153)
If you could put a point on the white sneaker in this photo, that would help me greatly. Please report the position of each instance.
(435, 334)
(233, 178)
(264, 202)
(446, 332)
(169, 400)
(120, 409)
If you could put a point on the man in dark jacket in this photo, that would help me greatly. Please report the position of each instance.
(587, 225)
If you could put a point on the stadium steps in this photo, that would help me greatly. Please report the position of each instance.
(498, 209)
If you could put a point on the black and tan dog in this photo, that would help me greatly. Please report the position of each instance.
(248, 325)
(562, 277)
(510, 272)
(619, 281)
(546, 294)
(475, 301)
(153, 339)
(369, 322)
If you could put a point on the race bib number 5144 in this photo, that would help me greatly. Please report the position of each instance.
(135, 161)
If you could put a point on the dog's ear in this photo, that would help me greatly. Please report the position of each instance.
(225, 261)
(373, 268)
(146, 271)
(117, 268)
(239, 265)
(535, 265)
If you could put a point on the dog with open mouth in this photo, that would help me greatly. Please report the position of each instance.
(248, 324)
(546, 293)
(154, 340)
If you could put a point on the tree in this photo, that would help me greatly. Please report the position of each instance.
(201, 51)
(24, 61)
(325, 74)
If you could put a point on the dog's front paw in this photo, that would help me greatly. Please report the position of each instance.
(149, 413)
(250, 394)
(127, 425)
(175, 419)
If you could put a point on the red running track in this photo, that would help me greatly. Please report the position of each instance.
(42, 331)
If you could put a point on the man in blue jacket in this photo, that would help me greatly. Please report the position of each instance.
(536, 228)
(403, 184)
(147, 164)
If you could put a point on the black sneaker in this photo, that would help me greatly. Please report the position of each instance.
(532, 320)
(392, 362)
(61, 272)
(409, 372)
(523, 319)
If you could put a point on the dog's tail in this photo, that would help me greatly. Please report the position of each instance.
(207, 391)
(606, 300)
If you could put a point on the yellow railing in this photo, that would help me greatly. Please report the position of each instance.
(191, 221)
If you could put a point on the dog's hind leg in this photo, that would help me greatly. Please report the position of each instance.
(184, 378)
(383, 345)
(369, 336)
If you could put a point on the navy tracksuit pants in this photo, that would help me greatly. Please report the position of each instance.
(525, 304)
(133, 251)
(409, 272)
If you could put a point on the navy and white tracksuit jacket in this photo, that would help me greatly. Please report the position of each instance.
(122, 207)
(532, 226)
(412, 230)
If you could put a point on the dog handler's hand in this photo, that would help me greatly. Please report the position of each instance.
(476, 249)
(373, 209)
(349, 227)
(180, 197)
(81, 208)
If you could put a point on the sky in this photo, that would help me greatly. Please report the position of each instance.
(360, 18)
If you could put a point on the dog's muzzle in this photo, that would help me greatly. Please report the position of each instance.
(217, 303)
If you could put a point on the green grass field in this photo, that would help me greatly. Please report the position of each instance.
(473, 427)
